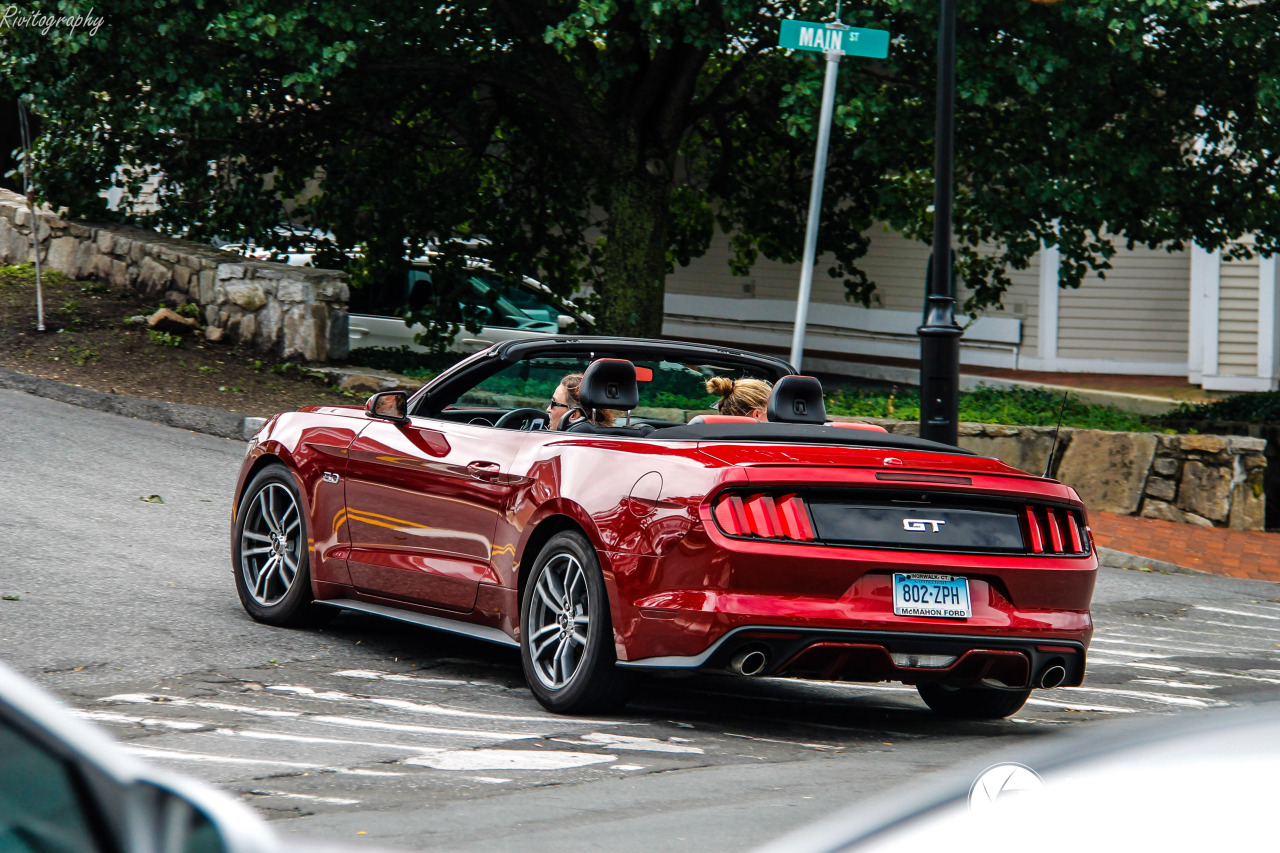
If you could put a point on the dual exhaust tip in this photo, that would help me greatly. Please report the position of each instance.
(754, 661)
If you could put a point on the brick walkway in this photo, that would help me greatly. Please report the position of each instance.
(1238, 553)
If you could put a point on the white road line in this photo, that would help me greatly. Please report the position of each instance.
(1236, 612)
(409, 728)
(638, 744)
(1208, 673)
(109, 717)
(509, 759)
(371, 675)
(1159, 635)
(337, 801)
(1250, 628)
(178, 702)
(277, 736)
(1076, 706)
(425, 708)
(204, 758)
(1178, 684)
(1158, 698)
(1203, 647)
(825, 747)
(1152, 655)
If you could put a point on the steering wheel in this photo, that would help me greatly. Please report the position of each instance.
(523, 418)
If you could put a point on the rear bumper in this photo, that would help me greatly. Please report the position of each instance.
(853, 655)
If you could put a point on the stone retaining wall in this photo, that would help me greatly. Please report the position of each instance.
(1210, 480)
(283, 311)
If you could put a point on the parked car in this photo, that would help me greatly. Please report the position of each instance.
(521, 309)
(510, 310)
(65, 787)
(792, 548)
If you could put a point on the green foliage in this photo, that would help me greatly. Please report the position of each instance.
(1259, 407)
(164, 339)
(188, 309)
(991, 405)
(604, 141)
(26, 274)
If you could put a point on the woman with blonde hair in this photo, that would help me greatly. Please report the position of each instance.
(741, 397)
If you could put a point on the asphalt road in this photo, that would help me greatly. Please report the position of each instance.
(372, 731)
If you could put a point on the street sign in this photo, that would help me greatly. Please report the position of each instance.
(834, 38)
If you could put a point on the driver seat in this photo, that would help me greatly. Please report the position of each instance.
(608, 383)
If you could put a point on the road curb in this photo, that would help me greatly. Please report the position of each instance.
(203, 419)
(1124, 560)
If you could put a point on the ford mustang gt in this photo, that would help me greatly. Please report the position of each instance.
(665, 537)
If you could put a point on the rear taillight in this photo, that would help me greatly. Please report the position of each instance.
(1055, 530)
(764, 516)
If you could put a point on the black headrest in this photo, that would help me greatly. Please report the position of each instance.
(797, 400)
(609, 383)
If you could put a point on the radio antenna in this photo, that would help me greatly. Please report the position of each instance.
(1061, 411)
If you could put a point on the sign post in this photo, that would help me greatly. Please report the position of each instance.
(834, 40)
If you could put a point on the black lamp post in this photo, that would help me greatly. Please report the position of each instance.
(939, 335)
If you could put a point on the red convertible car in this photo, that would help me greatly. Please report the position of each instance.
(789, 548)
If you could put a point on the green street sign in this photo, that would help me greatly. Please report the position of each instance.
(834, 38)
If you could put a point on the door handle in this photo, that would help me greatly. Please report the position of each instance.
(484, 470)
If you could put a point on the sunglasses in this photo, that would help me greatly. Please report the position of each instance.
(554, 405)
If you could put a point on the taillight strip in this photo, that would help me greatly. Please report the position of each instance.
(1033, 524)
(765, 516)
(1055, 532)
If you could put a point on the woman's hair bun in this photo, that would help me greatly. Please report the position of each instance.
(720, 386)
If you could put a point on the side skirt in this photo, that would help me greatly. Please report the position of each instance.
(479, 632)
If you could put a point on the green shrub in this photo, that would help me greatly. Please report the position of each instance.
(1258, 407)
(1016, 406)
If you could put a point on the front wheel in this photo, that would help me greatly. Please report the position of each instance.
(566, 635)
(271, 556)
(972, 703)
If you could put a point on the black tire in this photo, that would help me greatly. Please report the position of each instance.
(570, 671)
(972, 703)
(270, 555)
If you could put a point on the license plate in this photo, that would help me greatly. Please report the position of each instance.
(931, 595)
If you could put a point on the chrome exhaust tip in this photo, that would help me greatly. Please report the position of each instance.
(1052, 676)
(751, 662)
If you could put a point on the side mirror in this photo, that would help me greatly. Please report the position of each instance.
(389, 406)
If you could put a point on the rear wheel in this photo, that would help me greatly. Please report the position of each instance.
(271, 556)
(566, 635)
(973, 703)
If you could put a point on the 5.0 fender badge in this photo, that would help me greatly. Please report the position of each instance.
(330, 477)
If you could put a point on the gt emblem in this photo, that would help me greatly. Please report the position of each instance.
(330, 477)
(918, 524)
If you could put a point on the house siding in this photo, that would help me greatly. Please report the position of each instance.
(1238, 318)
(1139, 312)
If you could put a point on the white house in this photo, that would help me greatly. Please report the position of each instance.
(1186, 313)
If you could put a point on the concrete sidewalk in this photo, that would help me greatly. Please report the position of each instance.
(1168, 545)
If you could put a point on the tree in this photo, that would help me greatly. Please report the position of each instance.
(603, 141)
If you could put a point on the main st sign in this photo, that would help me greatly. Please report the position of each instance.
(834, 38)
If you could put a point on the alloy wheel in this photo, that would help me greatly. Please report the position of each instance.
(559, 621)
(271, 544)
